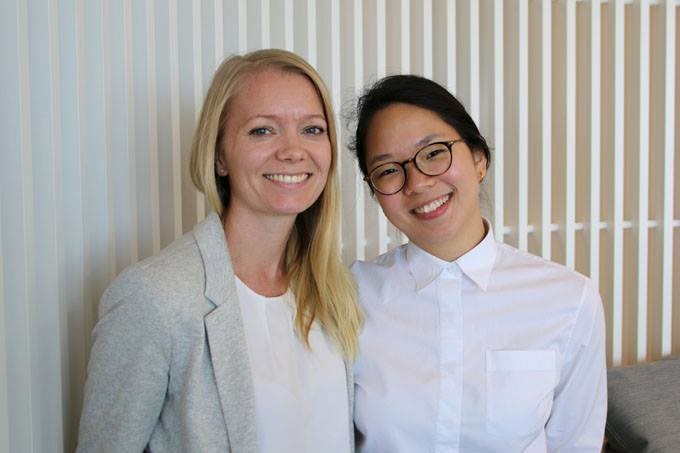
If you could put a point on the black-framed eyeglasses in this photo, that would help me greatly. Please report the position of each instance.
(431, 160)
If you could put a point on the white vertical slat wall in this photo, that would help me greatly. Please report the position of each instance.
(99, 98)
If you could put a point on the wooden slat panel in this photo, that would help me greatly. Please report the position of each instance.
(523, 124)
(358, 63)
(380, 18)
(617, 227)
(451, 45)
(43, 304)
(427, 38)
(546, 128)
(570, 119)
(4, 343)
(643, 178)
(405, 11)
(670, 10)
(265, 23)
(242, 26)
(175, 119)
(196, 27)
(595, 125)
(288, 13)
(152, 113)
(473, 62)
(498, 121)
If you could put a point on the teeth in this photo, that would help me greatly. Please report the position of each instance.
(431, 206)
(288, 179)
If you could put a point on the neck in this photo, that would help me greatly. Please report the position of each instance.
(257, 248)
(463, 242)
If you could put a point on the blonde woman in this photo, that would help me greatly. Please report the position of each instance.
(237, 336)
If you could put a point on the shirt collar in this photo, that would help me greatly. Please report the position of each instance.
(476, 264)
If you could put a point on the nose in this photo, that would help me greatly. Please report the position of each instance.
(291, 149)
(416, 182)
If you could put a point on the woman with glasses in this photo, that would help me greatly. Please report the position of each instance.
(237, 337)
(469, 345)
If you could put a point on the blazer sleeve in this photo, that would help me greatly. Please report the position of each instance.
(580, 406)
(128, 371)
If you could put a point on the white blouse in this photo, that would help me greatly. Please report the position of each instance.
(499, 351)
(300, 393)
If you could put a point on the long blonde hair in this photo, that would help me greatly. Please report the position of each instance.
(324, 290)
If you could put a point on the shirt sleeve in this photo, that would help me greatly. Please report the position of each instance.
(127, 374)
(579, 411)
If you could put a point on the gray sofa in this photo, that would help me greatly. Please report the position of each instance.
(644, 407)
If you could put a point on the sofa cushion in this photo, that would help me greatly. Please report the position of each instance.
(644, 407)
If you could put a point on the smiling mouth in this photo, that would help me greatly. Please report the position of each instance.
(432, 205)
(288, 179)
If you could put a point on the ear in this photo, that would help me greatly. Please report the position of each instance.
(480, 165)
(220, 168)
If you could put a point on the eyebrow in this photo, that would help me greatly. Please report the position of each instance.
(311, 116)
(418, 145)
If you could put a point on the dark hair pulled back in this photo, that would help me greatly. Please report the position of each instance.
(420, 92)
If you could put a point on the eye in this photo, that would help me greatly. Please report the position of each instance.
(386, 172)
(314, 130)
(260, 131)
(434, 153)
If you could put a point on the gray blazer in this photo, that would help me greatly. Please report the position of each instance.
(169, 366)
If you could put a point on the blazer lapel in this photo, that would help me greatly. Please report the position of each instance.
(349, 375)
(226, 338)
(232, 373)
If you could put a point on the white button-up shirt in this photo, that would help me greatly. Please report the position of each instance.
(300, 393)
(498, 351)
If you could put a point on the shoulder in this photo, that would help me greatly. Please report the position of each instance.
(381, 265)
(385, 261)
(561, 295)
(375, 277)
(562, 288)
(528, 269)
(175, 274)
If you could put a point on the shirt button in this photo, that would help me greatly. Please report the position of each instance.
(451, 271)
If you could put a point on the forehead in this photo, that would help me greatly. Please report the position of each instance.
(398, 130)
(273, 91)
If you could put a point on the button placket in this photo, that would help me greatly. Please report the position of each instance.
(449, 292)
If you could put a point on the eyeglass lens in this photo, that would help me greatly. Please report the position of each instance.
(432, 160)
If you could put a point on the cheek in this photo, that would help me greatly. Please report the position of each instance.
(324, 159)
(462, 177)
(328, 155)
(390, 205)
(327, 164)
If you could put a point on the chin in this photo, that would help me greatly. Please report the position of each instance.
(292, 209)
(293, 206)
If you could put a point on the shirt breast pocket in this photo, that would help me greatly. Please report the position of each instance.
(519, 389)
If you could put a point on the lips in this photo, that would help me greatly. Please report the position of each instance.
(288, 179)
(432, 205)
